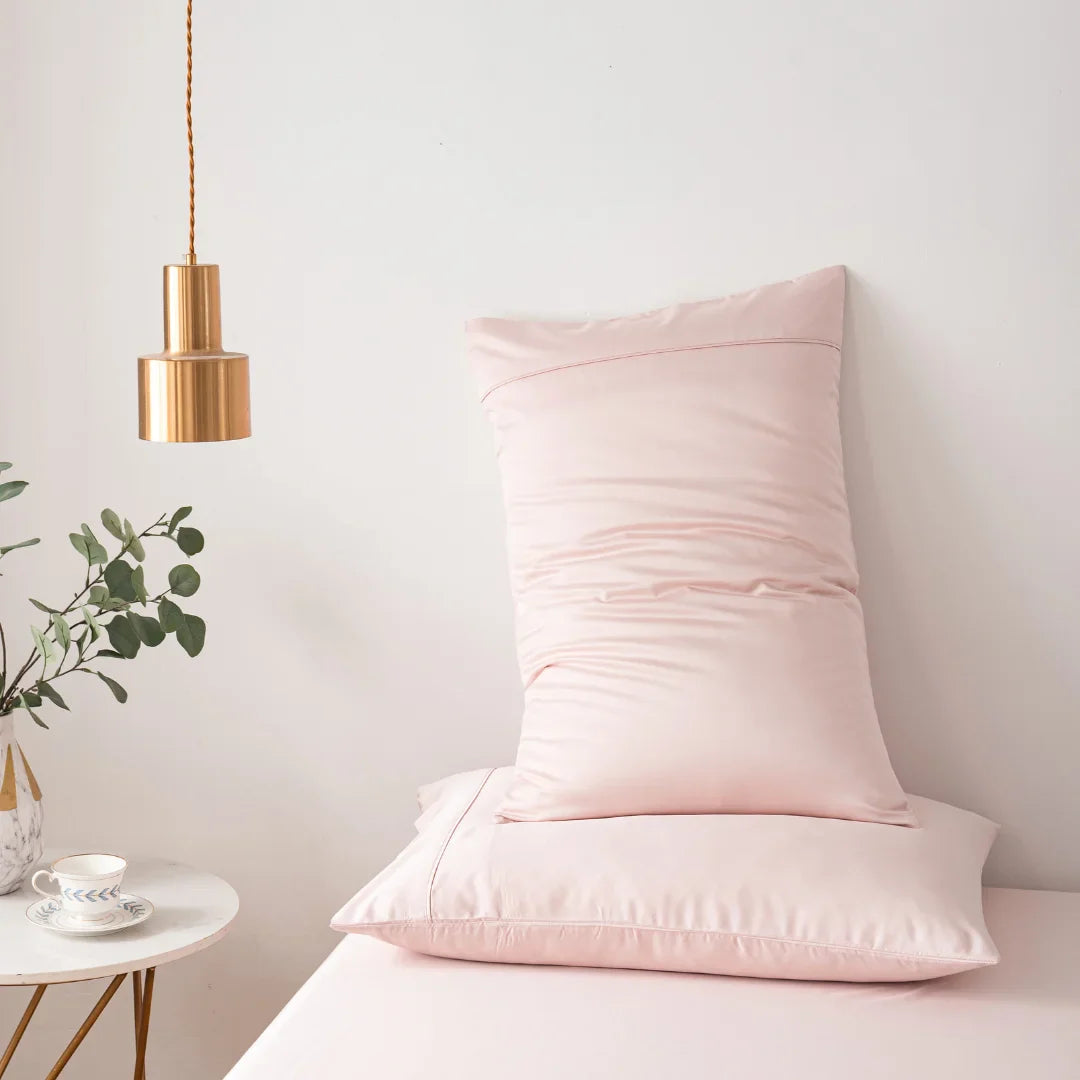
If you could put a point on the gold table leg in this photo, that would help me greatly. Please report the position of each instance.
(9, 1053)
(88, 1023)
(136, 993)
(144, 995)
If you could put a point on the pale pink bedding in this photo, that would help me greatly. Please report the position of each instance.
(723, 894)
(685, 592)
(375, 1011)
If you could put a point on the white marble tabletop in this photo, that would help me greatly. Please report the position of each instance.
(192, 910)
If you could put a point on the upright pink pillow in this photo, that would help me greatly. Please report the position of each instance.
(688, 628)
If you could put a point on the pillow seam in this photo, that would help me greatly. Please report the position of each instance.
(431, 921)
(657, 352)
(446, 843)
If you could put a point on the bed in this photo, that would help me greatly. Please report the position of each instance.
(373, 1010)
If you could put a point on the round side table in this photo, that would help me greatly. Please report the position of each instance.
(192, 910)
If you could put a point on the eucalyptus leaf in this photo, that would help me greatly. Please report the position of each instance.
(98, 594)
(62, 630)
(129, 529)
(118, 580)
(47, 691)
(43, 645)
(88, 532)
(148, 629)
(42, 607)
(21, 544)
(118, 691)
(92, 623)
(122, 637)
(135, 546)
(11, 489)
(80, 544)
(111, 520)
(37, 719)
(89, 549)
(29, 699)
(192, 635)
(179, 516)
(80, 642)
(111, 653)
(170, 616)
(4, 466)
(138, 583)
(190, 541)
(184, 580)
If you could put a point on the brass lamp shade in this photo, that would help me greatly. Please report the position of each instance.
(193, 391)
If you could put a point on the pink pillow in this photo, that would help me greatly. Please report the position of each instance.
(688, 628)
(766, 895)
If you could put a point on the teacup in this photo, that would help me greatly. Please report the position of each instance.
(89, 884)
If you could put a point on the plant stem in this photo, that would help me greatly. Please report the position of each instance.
(77, 666)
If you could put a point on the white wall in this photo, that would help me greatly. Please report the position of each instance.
(371, 175)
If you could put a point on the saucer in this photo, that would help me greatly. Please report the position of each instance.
(130, 911)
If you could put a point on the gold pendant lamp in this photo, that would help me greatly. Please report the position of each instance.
(193, 391)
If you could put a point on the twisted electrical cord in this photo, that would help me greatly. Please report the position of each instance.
(191, 149)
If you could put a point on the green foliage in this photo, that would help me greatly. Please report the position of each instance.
(47, 691)
(190, 541)
(170, 616)
(184, 580)
(118, 691)
(20, 544)
(62, 631)
(138, 583)
(123, 638)
(93, 625)
(179, 516)
(42, 645)
(114, 603)
(118, 580)
(192, 635)
(111, 520)
(148, 630)
(89, 549)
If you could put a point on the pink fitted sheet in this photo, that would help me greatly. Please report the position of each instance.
(375, 1011)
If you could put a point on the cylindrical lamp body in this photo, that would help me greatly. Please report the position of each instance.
(193, 391)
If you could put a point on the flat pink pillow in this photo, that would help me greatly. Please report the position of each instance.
(688, 628)
(736, 894)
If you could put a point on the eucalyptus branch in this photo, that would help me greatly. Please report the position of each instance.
(12, 691)
(78, 665)
(107, 601)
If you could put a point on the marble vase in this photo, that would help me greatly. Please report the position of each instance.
(20, 811)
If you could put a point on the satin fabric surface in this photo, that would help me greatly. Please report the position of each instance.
(737, 894)
(688, 626)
